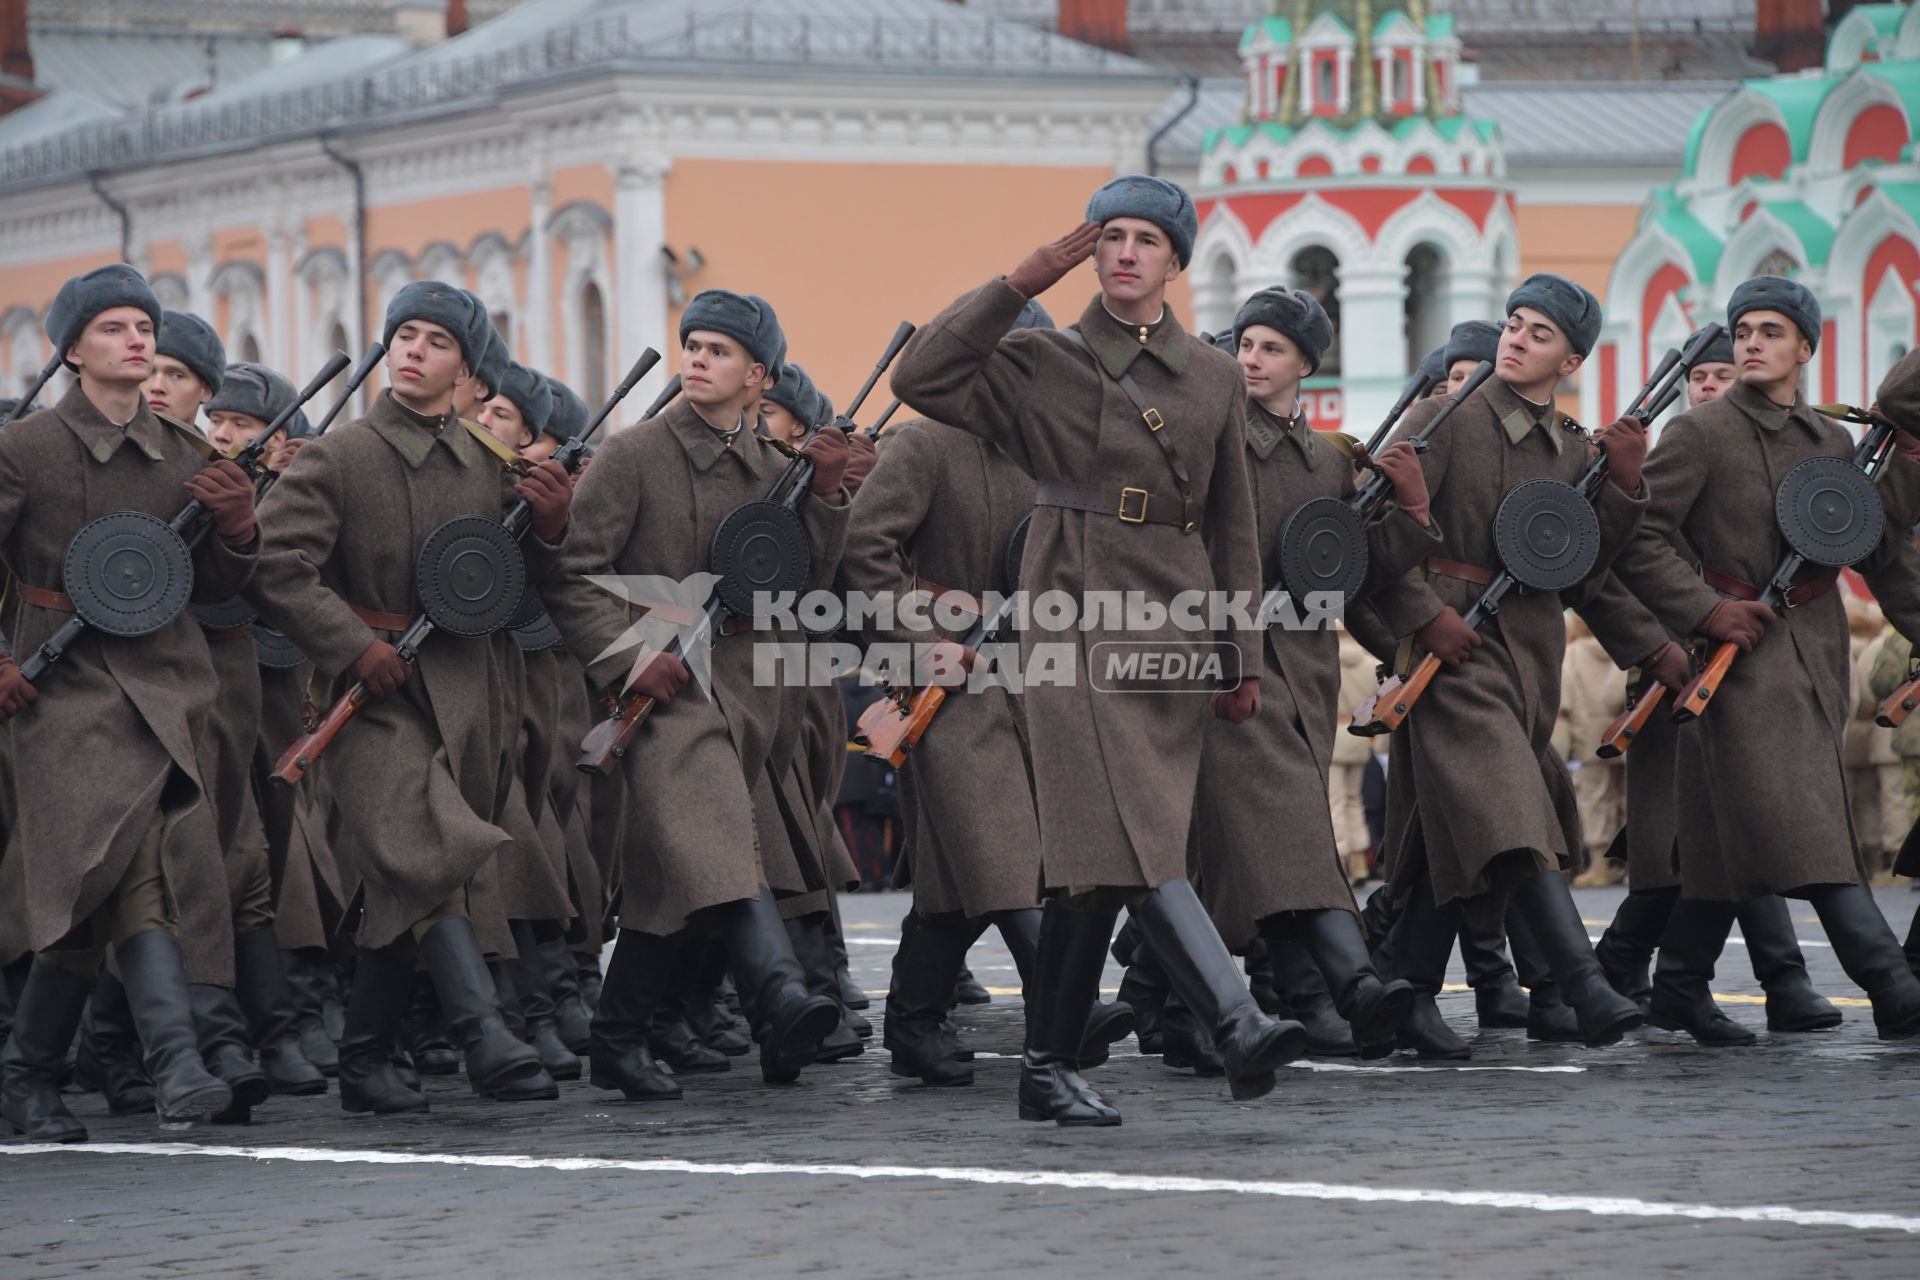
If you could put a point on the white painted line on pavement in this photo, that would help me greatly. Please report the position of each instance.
(1308, 1065)
(1599, 1206)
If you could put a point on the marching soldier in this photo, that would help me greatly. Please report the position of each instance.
(1479, 808)
(1132, 430)
(690, 853)
(110, 804)
(421, 825)
(1752, 821)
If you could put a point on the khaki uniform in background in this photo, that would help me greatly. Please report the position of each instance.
(1350, 753)
(1886, 666)
(1873, 770)
(1593, 693)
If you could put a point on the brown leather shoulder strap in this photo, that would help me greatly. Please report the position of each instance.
(1156, 427)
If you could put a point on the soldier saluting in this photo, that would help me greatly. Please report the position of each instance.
(111, 809)
(1133, 432)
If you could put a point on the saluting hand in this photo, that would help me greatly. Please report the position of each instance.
(1624, 441)
(1737, 622)
(1043, 268)
(224, 490)
(549, 492)
(16, 691)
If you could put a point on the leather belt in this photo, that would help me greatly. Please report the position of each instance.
(381, 621)
(42, 598)
(679, 617)
(1458, 569)
(1131, 505)
(240, 632)
(1812, 589)
(962, 599)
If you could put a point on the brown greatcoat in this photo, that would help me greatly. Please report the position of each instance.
(806, 790)
(419, 779)
(307, 897)
(649, 506)
(1115, 769)
(1762, 785)
(121, 730)
(1472, 772)
(559, 716)
(1263, 840)
(939, 506)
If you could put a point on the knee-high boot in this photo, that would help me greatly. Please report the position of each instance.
(1766, 925)
(1073, 947)
(932, 949)
(1625, 950)
(369, 1079)
(788, 1021)
(1373, 1008)
(1605, 1015)
(1864, 944)
(156, 981)
(1422, 943)
(46, 1014)
(1682, 992)
(618, 1056)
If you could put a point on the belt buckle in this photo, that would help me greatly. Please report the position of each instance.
(1141, 517)
(1152, 418)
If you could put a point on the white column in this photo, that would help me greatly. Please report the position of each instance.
(200, 277)
(640, 286)
(1384, 75)
(1372, 352)
(538, 305)
(1306, 82)
(1419, 78)
(1343, 83)
(279, 353)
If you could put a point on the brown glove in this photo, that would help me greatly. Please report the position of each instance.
(1043, 268)
(1448, 638)
(658, 676)
(548, 490)
(861, 457)
(1738, 622)
(223, 488)
(1624, 441)
(1668, 665)
(828, 449)
(1240, 703)
(1400, 464)
(16, 691)
(381, 668)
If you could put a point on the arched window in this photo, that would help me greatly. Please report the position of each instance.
(1426, 316)
(1318, 272)
(593, 338)
(1325, 95)
(1777, 263)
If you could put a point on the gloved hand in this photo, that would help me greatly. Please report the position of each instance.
(1400, 464)
(1240, 703)
(861, 457)
(1448, 638)
(1043, 268)
(223, 488)
(16, 691)
(658, 676)
(828, 449)
(1738, 622)
(381, 668)
(1624, 441)
(548, 490)
(1668, 665)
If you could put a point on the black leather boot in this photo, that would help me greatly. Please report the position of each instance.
(494, 1059)
(422, 1032)
(1866, 948)
(1547, 904)
(1549, 1019)
(618, 1056)
(572, 1020)
(932, 949)
(309, 1023)
(369, 1079)
(586, 968)
(1073, 951)
(1766, 926)
(673, 1040)
(537, 1009)
(1912, 949)
(1265, 984)
(813, 948)
(156, 981)
(1307, 999)
(968, 990)
(1143, 988)
(1202, 970)
(1682, 979)
(1335, 949)
(227, 1051)
(703, 972)
(260, 985)
(45, 1016)
(109, 1060)
(851, 995)
(1186, 1041)
(1421, 944)
(1499, 1001)
(13, 980)
(789, 1021)
(1625, 950)
(1108, 1024)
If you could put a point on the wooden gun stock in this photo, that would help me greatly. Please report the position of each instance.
(1388, 707)
(1899, 704)
(608, 741)
(1700, 690)
(1627, 726)
(888, 730)
(307, 749)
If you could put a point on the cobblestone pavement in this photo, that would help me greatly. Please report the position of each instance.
(1327, 1172)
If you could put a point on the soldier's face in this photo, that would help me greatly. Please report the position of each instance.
(1533, 352)
(174, 389)
(115, 347)
(1134, 260)
(230, 431)
(1457, 373)
(1768, 348)
(1270, 364)
(716, 371)
(425, 363)
(782, 425)
(469, 396)
(504, 422)
(1705, 381)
